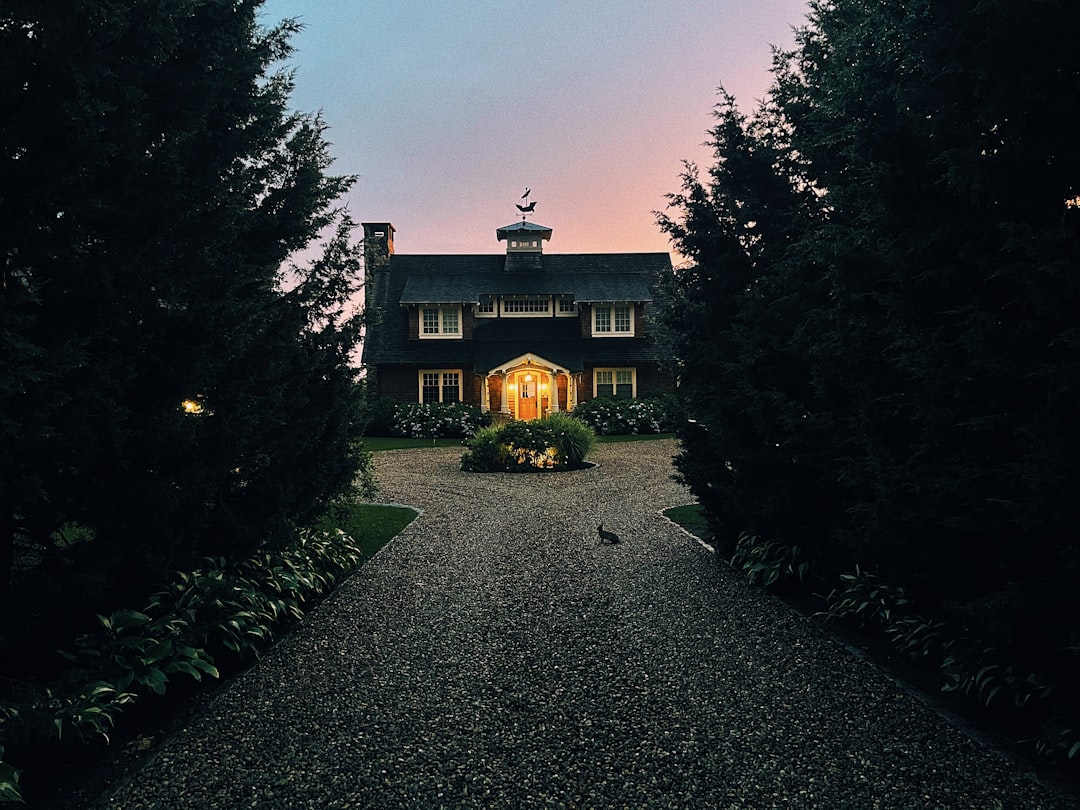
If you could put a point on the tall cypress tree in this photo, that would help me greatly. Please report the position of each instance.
(930, 291)
(931, 126)
(175, 386)
(737, 328)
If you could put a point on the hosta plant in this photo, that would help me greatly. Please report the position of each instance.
(766, 562)
(862, 596)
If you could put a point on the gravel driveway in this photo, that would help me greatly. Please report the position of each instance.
(495, 655)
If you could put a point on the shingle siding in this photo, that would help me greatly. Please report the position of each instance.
(396, 352)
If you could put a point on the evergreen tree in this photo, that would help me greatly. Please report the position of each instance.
(912, 339)
(171, 384)
(736, 320)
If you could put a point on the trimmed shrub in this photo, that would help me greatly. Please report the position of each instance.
(557, 442)
(378, 416)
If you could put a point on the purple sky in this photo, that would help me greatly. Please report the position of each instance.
(448, 110)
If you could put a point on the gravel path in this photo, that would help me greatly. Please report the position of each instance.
(495, 655)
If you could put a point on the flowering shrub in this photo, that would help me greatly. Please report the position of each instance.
(435, 420)
(557, 442)
(608, 416)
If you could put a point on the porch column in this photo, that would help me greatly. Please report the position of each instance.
(485, 395)
(553, 391)
(504, 406)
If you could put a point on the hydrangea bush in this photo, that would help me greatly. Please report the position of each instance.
(438, 420)
(609, 417)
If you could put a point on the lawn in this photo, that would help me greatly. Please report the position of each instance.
(692, 518)
(371, 525)
(378, 443)
(633, 437)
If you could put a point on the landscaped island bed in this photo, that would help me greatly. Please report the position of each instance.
(496, 655)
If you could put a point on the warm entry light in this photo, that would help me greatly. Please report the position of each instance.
(191, 406)
(528, 378)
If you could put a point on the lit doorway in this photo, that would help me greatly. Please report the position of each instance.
(527, 399)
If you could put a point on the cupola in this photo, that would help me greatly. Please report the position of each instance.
(524, 237)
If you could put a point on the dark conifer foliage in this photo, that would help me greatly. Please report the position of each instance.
(170, 383)
(878, 325)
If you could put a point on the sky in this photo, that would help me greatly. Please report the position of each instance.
(446, 111)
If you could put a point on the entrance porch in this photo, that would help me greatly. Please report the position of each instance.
(529, 387)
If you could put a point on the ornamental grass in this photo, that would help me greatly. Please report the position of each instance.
(554, 443)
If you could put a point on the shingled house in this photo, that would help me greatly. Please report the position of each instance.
(519, 334)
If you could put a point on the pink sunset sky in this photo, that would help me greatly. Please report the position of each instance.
(447, 111)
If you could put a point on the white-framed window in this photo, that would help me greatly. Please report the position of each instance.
(613, 320)
(440, 385)
(486, 307)
(620, 383)
(565, 305)
(440, 321)
(526, 305)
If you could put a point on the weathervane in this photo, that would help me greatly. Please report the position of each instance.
(528, 207)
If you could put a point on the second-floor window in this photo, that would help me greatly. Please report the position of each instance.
(436, 322)
(613, 320)
(526, 304)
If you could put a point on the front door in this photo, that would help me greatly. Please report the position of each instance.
(526, 397)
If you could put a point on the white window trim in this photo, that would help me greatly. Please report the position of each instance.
(499, 309)
(614, 379)
(494, 309)
(441, 372)
(571, 312)
(441, 334)
(507, 314)
(610, 307)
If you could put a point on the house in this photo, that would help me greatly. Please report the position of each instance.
(520, 334)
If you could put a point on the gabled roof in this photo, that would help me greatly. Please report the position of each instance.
(462, 279)
(462, 289)
(587, 277)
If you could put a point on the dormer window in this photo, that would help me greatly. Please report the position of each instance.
(526, 305)
(613, 320)
(440, 322)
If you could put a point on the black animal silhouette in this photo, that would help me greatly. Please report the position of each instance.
(606, 536)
